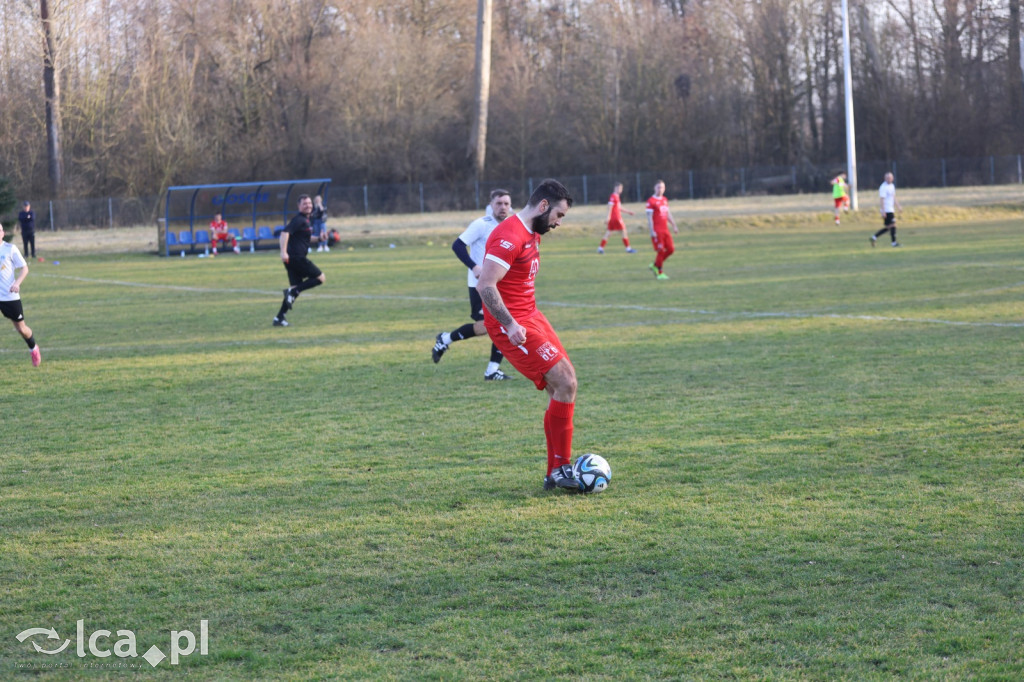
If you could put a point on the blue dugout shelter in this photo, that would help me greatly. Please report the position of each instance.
(254, 212)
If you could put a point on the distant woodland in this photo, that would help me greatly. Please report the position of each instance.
(123, 97)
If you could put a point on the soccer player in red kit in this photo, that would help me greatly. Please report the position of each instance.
(520, 331)
(615, 223)
(219, 233)
(658, 220)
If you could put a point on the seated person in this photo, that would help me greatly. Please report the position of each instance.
(219, 233)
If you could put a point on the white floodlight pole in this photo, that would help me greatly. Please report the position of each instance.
(851, 136)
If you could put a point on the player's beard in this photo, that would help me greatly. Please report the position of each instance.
(541, 224)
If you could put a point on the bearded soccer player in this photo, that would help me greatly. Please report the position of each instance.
(658, 220)
(615, 223)
(520, 331)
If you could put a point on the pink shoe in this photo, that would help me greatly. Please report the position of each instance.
(37, 357)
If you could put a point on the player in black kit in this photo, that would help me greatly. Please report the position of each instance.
(302, 273)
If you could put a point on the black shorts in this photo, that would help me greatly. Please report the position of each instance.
(476, 305)
(300, 269)
(12, 310)
(890, 219)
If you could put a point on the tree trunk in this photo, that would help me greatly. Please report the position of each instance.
(51, 87)
(478, 135)
(1015, 82)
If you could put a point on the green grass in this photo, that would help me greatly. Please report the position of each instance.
(816, 449)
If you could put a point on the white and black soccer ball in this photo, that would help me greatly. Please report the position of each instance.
(593, 473)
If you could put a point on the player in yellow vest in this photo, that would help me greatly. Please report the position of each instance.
(840, 194)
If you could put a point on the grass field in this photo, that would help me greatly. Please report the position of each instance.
(817, 454)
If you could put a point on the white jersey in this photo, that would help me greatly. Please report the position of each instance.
(475, 238)
(888, 194)
(10, 262)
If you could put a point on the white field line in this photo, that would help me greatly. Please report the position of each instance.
(716, 315)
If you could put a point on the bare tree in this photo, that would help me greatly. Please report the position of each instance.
(478, 136)
(51, 87)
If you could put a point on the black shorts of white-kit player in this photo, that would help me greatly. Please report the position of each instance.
(12, 310)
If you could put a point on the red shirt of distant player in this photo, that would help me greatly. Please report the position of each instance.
(514, 247)
(219, 229)
(615, 223)
(659, 213)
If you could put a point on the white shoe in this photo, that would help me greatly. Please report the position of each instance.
(326, 248)
(320, 249)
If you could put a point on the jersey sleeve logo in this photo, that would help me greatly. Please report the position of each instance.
(506, 244)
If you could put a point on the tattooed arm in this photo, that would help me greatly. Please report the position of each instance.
(487, 286)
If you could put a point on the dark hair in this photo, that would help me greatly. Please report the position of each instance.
(495, 193)
(303, 196)
(553, 191)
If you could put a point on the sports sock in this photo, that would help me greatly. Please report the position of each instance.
(464, 332)
(281, 313)
(558, 431)
(492, 367)
(604, 242)
(659, 261)
(496, 355)
(625, 242)
(31, 341)
(306, 284)
(893, 231)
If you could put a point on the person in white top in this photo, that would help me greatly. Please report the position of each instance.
(13, 271)
(470, 247)
(888, 205)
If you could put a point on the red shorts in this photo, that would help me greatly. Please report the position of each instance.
(222, 237)
(616, 225)
(662, 242)
(538, 355)
(840, 202)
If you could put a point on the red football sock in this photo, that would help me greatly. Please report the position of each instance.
(604, 243)
(625, 242)
(660, 260)
(558, 431)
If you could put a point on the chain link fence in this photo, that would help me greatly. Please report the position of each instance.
(347, 200)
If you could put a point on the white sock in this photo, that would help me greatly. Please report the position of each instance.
(446, 338)
(492, 367)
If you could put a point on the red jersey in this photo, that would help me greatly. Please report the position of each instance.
(616, 204)
(218, 226)
(658, 206)
(514, 247)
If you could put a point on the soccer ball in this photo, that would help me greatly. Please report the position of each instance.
(593, 473)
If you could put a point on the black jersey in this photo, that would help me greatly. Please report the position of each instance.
(299, 231)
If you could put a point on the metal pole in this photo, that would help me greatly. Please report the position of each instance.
(51, 215)
(1020, 175)
(691, 185)
(944, 173)
(851, 141)
(366, 200)
(421, 199)
(585, 202)
(992, 169)
(743, 182)
(110, 210)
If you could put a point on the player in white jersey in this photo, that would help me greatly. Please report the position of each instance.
(888, 205)
(470, 247)
(13, 271)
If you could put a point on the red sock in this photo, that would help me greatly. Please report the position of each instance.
(659, 260)
(558, 431)
(625, 242)
(604, 242)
